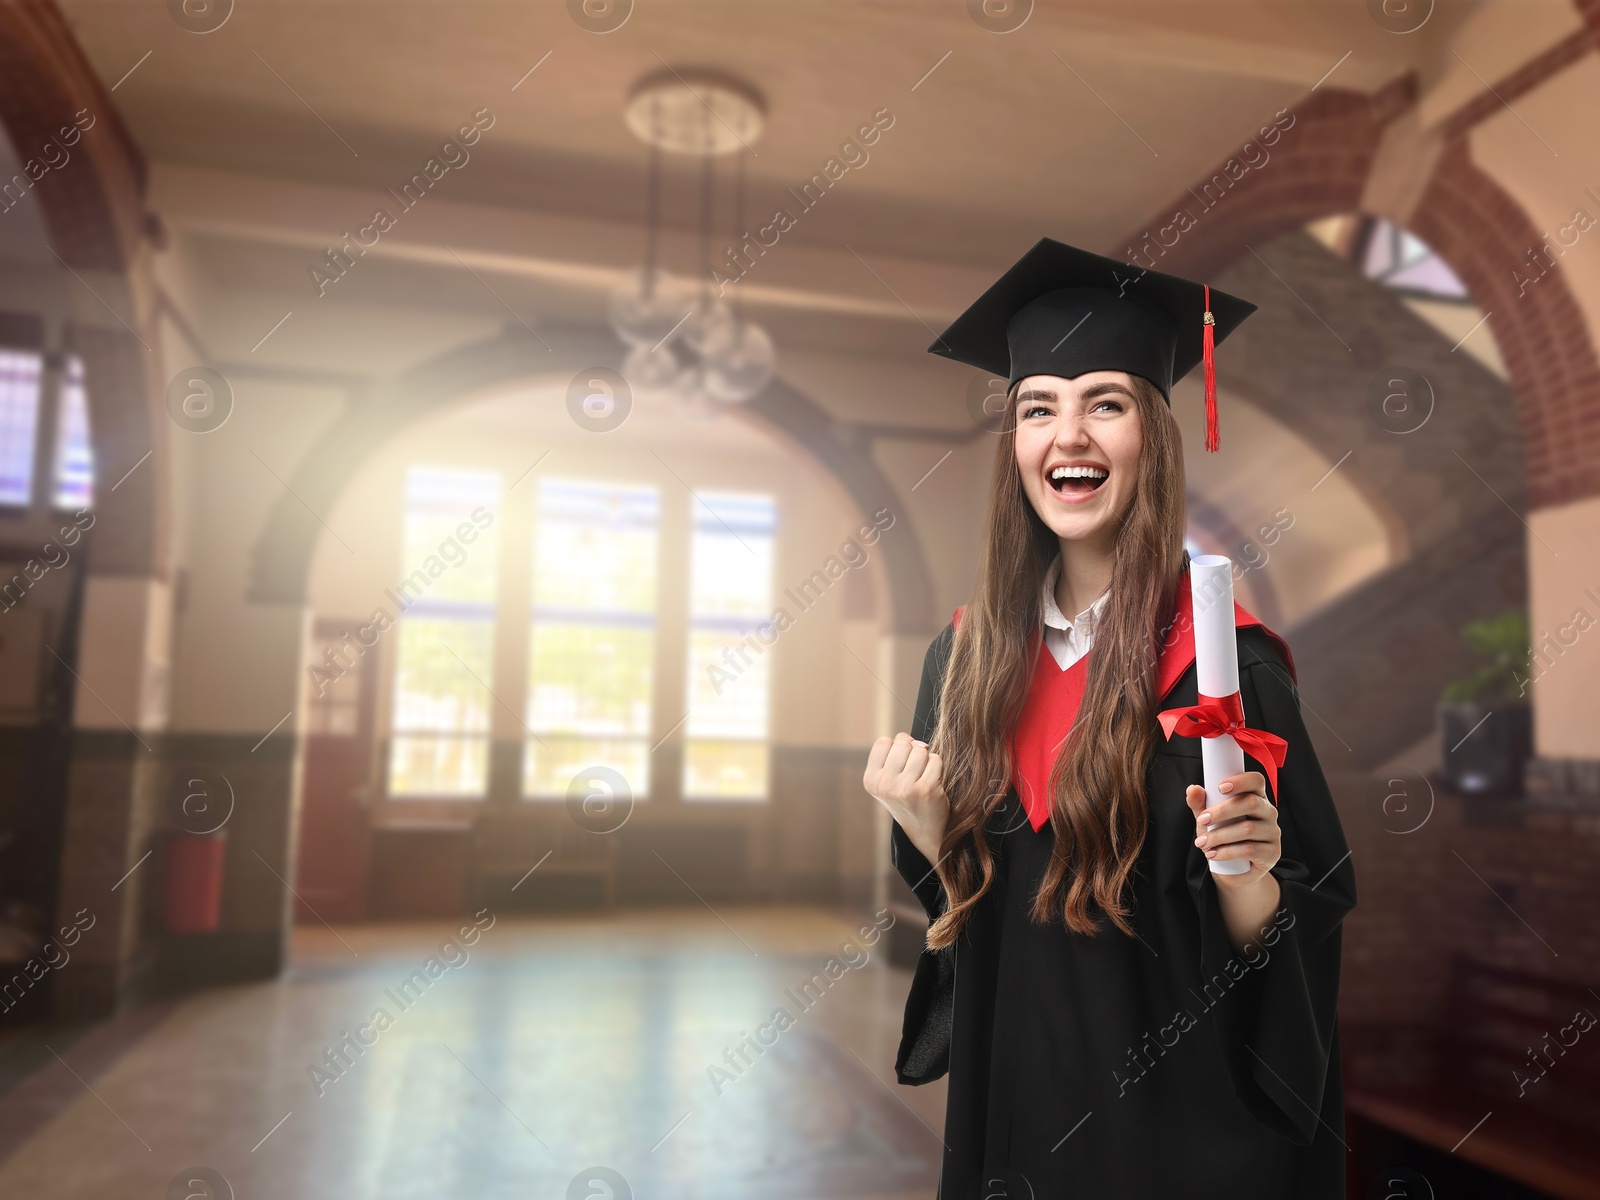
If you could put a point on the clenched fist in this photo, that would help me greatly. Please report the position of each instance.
(903, 775)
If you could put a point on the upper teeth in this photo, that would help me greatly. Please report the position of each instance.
(1078, 473)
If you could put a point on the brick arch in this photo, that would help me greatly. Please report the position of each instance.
(1320, 167)
(1317, 167)
(1484, 235)
(92, 207)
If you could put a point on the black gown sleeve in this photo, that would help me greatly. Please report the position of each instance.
(924, 1053)
(1278, 1025)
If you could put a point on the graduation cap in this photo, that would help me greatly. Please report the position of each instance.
(1064, 311)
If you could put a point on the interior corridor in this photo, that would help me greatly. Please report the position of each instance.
(552, 1051)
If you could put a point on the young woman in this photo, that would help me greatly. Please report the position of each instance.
(1116, 1019)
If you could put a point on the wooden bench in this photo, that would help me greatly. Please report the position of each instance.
(505, 846)
(1487, 1101)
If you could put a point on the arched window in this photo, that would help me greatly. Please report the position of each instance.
(1403, 261)
(1390, 255)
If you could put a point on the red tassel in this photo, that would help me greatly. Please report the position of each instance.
(1208, 348)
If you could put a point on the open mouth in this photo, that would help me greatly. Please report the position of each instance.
(1078, 480)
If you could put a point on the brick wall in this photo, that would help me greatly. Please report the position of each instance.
(1507, 882)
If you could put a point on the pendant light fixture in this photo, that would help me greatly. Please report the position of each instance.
(686, 343)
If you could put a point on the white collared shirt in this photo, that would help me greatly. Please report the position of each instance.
(1068, 640)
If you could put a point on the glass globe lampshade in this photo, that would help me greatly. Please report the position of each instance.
(647, 306)
(688, 395)
(712, 321)
(651, 370)
(739, 363)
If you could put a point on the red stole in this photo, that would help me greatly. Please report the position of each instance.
(1054, 696)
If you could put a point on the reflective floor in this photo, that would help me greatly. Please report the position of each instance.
(640, 1055)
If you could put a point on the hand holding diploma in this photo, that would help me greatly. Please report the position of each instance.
(1241, 829)
(1218, 721)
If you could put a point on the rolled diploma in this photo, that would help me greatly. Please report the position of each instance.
(1216, 668)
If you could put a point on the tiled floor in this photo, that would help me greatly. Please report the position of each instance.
(553, 1052)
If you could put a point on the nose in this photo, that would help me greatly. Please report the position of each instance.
(1072, 429)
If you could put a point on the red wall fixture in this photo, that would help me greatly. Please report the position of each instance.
(193, 900)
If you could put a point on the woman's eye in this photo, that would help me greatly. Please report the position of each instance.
(1116, 404)
(1037, 408)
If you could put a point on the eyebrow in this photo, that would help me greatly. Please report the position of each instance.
(1099, 389)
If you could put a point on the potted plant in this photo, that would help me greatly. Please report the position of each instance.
(1485, 720)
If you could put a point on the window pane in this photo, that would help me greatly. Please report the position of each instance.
(729, 684)
(728, 674)
(19, 421)
(732, 556)
(590, 679)
(74, 456)
(592, 644)
(445, 645)
(549, 769)
(438, 767)
(444, 665)
(447, 553)
(595, 548)
(726, 770)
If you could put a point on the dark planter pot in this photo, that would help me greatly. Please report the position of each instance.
(1492, 758)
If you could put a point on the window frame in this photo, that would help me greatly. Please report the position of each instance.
(512, 656)
(650, 619)
(749, 624)
(423, 804)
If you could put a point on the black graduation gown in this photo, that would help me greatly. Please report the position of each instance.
(1166, 1065)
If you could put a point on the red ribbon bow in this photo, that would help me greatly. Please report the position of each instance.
(1216, 715)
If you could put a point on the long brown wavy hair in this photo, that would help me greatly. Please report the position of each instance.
(1097, 781)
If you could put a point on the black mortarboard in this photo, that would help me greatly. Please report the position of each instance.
(1064, 311)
